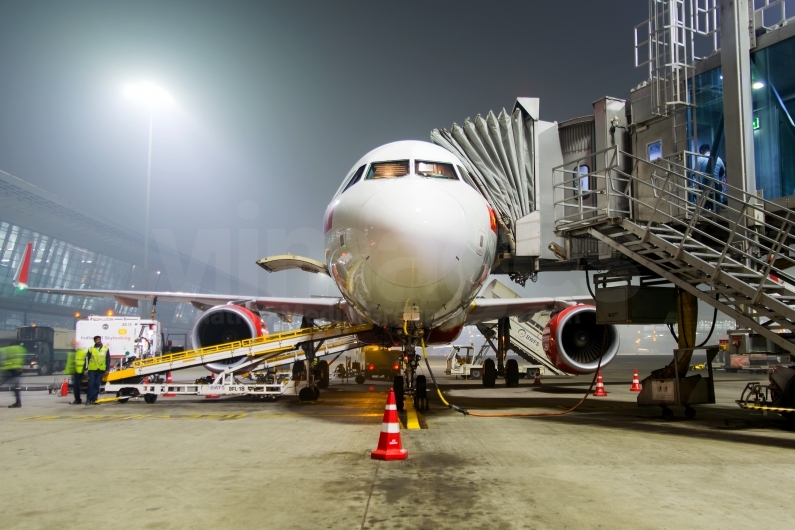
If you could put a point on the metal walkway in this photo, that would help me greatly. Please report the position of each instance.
(734, 259)
(259, 349)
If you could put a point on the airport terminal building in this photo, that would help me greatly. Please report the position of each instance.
(76, 249)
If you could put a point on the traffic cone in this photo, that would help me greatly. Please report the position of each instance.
(389, 445)
(536, 379)
(168, 382)
(600, 386)
(64, 388)
(635, 383)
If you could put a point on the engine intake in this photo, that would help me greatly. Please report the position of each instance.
(222, 324)
(573, 340)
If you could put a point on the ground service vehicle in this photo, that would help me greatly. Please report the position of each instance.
(47, 348)
(381, 361)
(464, 362)
(746, 351)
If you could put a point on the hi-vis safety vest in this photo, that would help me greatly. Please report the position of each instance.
(13, 357)
(97, 359)
(80, 360)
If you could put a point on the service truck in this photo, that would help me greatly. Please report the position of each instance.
(746, 351)
(380, 361)
(47, 348)
(127, 338)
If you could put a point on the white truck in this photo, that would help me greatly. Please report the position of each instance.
(127, 338)
(463, 361)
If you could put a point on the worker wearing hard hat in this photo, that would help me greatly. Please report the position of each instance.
(12, 360)
(75, 365)
(98, 363)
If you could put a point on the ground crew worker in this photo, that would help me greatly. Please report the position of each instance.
(98, 357)
(75, 365)
(12, 360)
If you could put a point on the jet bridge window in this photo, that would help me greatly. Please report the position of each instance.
(388, 170)
(438, 170)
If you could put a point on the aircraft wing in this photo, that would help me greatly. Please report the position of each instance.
(486, 309)
(332, 309)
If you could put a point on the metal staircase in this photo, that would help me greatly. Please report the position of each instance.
(663, 217)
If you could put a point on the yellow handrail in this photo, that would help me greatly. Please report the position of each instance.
(229, 346)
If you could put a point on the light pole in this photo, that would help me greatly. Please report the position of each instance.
(151, 96)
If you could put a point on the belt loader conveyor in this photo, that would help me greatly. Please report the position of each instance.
(261, 352)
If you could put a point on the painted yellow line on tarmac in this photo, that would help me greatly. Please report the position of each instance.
(412, 422)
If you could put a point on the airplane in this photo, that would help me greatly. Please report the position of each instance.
(409, 244)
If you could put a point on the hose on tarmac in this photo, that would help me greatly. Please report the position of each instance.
(466, 412)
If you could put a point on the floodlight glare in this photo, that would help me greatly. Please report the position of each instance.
(758, 84)
(149, 94)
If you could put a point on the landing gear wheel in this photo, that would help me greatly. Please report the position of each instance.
(397, 386)
(322, 374)
(150, 398)
(306, 394)
(690, 412)
(489, 373)
(421, 396)
(359, 379)
(316, 392)
(511, 373)
(667, 413)
(44, 369)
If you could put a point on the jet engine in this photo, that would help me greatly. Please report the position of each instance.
(226, 323)
(573, 341)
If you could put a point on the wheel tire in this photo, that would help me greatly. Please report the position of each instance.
(316, 392)
(359, 379)
(489, 373)
(306, 394)
(322, 374)
(667, 413)
(150, 398)
(397, 386)
(511, 373)
(690, 413)
(119, 396)
(475, 373)
(45, 369)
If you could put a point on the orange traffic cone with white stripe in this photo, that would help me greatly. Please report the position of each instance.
(635, 383)
(168, 382)
(536, 379)
(64, 388)
(389, 445)
(599, 391)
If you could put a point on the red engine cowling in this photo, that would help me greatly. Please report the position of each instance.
(226, 323)
(573, 341)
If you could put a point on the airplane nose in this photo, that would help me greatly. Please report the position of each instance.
(414, 231)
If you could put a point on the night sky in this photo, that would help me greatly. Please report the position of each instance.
(275, 101)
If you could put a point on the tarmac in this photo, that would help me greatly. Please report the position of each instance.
(189, 462)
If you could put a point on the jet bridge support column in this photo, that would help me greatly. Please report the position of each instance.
(503, 343)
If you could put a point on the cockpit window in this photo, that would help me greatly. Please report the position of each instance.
(439, 170)
(388, 170)
(356, 177)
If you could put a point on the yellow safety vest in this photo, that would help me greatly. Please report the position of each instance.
(80, 360)
(97, 359)
(14, 357)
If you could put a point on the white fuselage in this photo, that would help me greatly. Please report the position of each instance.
(411, 248)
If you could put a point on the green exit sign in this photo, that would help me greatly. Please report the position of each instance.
(756, 123)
